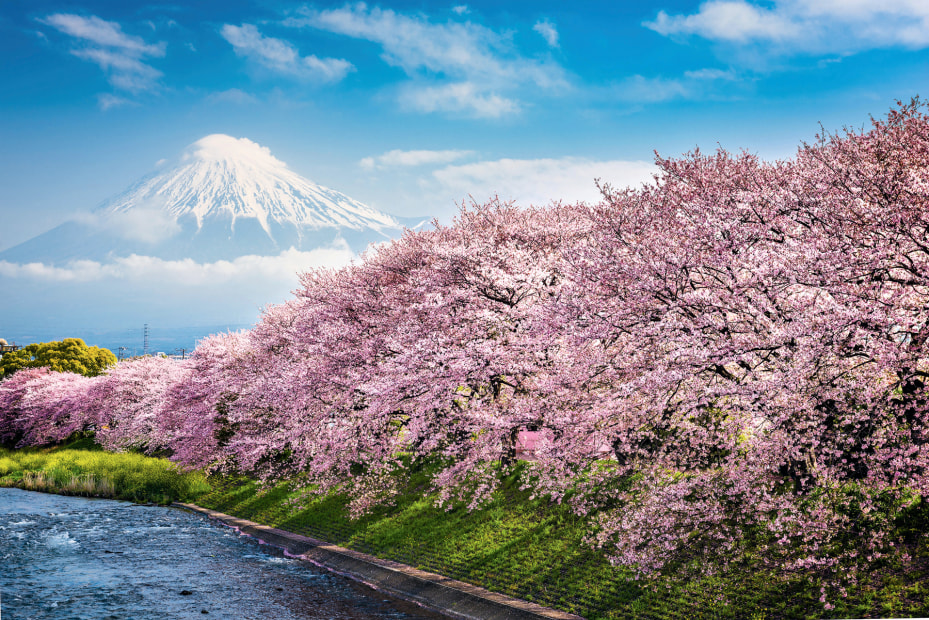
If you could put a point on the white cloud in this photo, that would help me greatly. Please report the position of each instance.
(108, 100)
(548, 32)
(119, 55)
(281, 56)
(461, 9)
(148, 223)
(102, 33)
(462, 49)
(184, 273)
(145, 225)
(805, 26)
(397, 157)
(457, 67)
(711, 74)
(125, 72)
(539, 181)
(727, 20)
(465, 98)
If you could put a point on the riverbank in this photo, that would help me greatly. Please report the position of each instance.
(437, 592)
(83, 468)
(531, 550)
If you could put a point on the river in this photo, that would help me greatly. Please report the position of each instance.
(72, 557)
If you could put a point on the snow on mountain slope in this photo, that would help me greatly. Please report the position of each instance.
(222, 175)
(223, 198)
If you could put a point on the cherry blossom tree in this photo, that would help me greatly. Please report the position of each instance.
(128, 401)
(749, 339)
(12, 391)
(194, 419)
(39, 406)
(423, 348)
(55, 408)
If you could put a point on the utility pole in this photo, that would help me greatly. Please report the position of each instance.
(145, 340)
(122, 352)
(182, 351)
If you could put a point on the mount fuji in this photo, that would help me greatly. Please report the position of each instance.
(223, 198)
(198, 246)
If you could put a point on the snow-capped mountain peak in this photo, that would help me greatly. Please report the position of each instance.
(222, 176)
(223, 197)
(220, 147)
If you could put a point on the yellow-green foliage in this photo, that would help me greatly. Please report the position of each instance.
(68, 355)
(128, 476)
(7, 466)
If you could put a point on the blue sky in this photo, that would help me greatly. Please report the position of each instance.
(412, 106)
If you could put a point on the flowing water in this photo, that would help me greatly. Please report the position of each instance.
(72, 557)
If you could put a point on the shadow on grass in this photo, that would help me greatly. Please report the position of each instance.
(534, 550)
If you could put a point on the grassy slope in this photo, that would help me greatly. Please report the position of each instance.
(535, 551)
(522, 547)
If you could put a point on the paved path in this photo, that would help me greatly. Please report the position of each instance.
(448, 596)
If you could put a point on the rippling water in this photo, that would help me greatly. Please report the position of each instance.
(71, 557)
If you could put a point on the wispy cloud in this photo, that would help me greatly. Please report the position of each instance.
(102, 33)
(726, 20)
(548, 32)
(233, 95)
(711, 74)
(185, 272)
(282, 56)
(122, 57)
(148, 223)
(455, 67)
(125, 72)
(692, 85)
(804, 26)
(109, 100)
(640, 89)
(398, 158)
(466, 98)
(540, 181)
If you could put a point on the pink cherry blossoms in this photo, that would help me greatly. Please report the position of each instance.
(731, 357)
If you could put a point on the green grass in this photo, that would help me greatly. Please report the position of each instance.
(81, 468)
(534, 550)
(516, 545)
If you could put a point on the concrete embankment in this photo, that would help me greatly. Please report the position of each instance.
(448, 596)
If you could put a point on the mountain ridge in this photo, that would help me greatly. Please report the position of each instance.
(224, 197)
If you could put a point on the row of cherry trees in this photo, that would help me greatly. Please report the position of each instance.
(732, 356)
